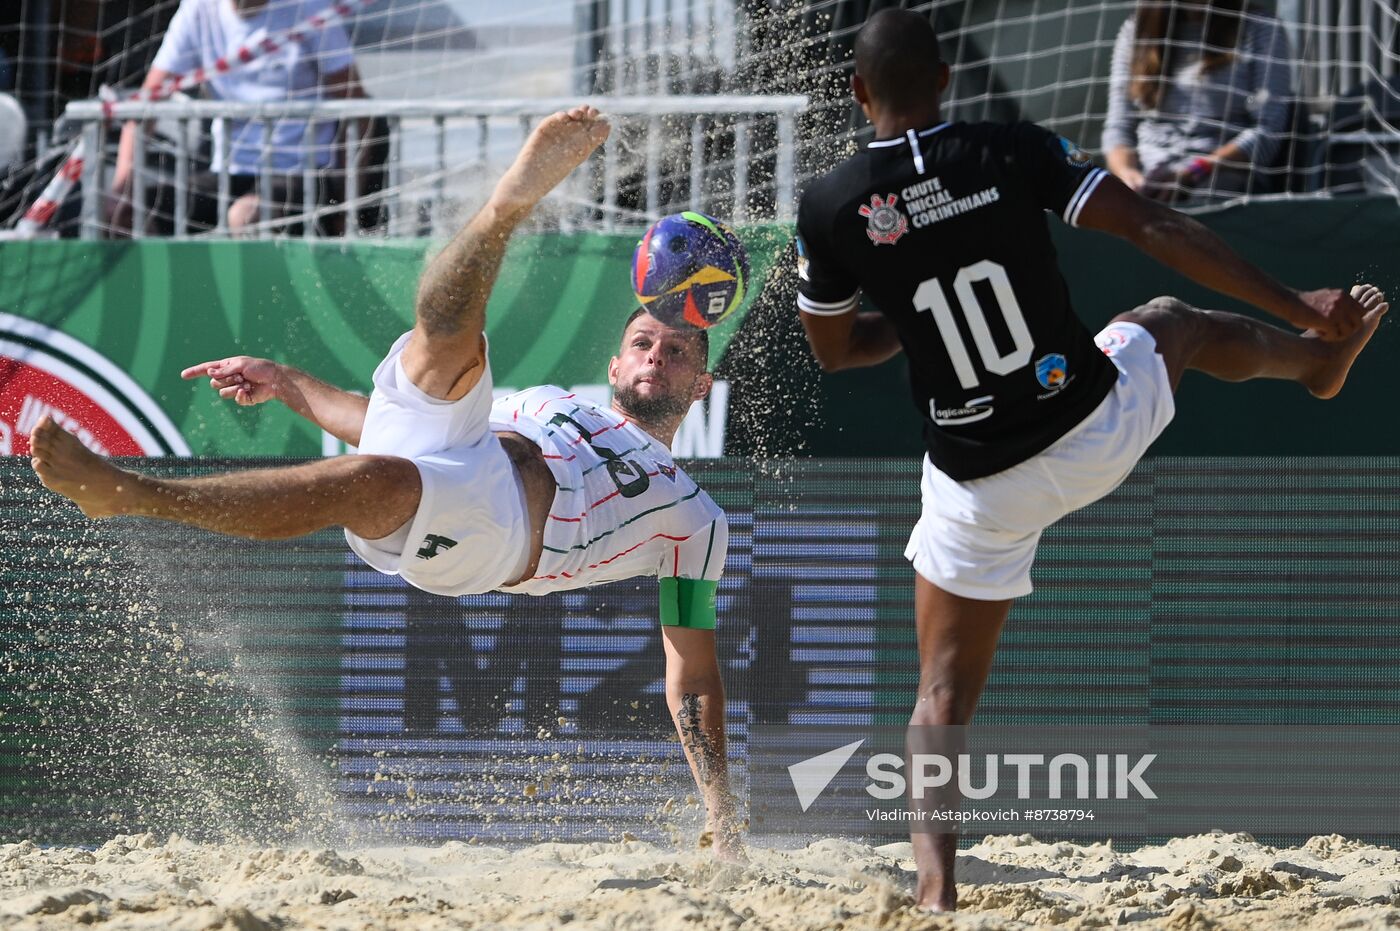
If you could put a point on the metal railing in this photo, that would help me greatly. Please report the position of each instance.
(665, 153)
(1342, 44)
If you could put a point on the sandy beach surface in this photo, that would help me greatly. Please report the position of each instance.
(1204, 882)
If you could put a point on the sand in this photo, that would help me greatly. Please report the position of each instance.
(1223, 881)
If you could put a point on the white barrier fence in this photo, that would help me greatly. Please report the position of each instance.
(730, 155)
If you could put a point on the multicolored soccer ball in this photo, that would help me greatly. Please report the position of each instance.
(690, 270)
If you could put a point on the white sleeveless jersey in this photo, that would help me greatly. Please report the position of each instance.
(623, 508)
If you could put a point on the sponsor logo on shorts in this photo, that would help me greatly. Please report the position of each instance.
(44, 371)
(1052, 370)
(970, 412)
(885, 223)
(433, 544)
(1110, 341)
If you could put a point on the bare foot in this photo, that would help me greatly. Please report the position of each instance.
(1338, 360)
(728, 847)
(930, 896)
(557, 146)
(68, 467)
(938, 905)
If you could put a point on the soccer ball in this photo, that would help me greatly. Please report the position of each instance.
(690, 270)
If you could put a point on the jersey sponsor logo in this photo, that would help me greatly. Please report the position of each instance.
(884, 222)
(802, 262)
(944, 206)
(668, 471)
(44, 371)
(1052, 370)
(1074, 155)
(970, 412)
(433, 544)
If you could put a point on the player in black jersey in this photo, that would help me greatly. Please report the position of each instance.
(942, 227)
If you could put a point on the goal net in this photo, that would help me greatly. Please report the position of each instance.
(1314, 86)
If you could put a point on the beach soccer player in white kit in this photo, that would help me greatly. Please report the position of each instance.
(541, 491)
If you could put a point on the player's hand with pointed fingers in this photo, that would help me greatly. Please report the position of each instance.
(242, 379)
(1335, 313)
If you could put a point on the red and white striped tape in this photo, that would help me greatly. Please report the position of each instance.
(42, 210)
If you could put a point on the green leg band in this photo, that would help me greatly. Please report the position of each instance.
(688, 603)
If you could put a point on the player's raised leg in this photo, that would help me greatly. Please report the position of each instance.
(370, 495)
(957, 642)
(445, 357)
(1236, 348)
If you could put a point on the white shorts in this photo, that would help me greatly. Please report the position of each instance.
(470, 533)
(977, 539)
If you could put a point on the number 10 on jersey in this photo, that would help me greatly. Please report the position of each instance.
(930, 296)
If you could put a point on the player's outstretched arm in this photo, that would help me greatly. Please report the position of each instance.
(248, 381)
(695, 696)
(1188, 247)
(445, 356)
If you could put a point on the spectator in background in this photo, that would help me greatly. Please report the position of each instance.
(319, 66)
(1198, 98)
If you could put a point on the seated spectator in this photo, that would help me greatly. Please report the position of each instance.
(1198, 96)
(319, 66)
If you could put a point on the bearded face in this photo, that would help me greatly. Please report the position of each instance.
(651, 406)
(658, 372)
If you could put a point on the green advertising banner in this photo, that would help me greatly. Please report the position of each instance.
(97, 333)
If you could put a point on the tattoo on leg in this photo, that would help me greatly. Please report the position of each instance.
(688, 720)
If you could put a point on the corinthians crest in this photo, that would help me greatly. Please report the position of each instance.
(886, 224)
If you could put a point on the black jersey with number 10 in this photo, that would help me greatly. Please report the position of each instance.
(944, 231)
